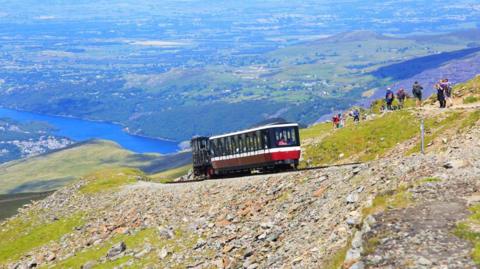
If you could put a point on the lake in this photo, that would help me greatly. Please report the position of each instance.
(81, 130)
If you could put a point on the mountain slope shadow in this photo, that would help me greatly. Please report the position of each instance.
(158, 164)
(415, 66)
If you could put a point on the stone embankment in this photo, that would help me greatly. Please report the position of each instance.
(306, 219)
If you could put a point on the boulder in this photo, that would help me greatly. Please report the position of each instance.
(116, 250)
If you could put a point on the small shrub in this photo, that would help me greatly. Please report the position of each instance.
(470, 99)
(430, 180)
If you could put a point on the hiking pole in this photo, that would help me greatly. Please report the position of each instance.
(422, 131)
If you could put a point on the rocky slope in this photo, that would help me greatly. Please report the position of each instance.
(391, 213)
(399, 210)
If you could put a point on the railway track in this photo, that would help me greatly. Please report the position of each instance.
(268, 173)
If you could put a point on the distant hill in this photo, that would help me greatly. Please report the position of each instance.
(297, 81)
(53, 170)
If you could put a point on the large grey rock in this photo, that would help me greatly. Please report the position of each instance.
(116, 250)
(88, 265)
(166, 233)
(163, 253)
(358, 265)
(423, 261)
(352, 198)
(353, 254)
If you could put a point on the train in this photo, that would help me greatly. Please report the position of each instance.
(268, 148)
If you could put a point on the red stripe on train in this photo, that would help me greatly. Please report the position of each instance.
(285, 155)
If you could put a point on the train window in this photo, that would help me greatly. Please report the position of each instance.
(253, 142)
(233, 145)
(285, 137)
(213, 147)
(265, 140)
(217, 147)
(240, 143)
(226, 144)
(245, 143)
(258, 136)
(230, 145)
(220, 147)
(243, 139)
(250, 146)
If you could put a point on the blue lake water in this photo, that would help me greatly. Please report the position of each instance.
(81, 130)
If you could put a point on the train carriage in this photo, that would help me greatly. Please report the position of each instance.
(266, 148)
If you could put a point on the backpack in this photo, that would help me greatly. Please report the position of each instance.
(417, 89)
(447, 89)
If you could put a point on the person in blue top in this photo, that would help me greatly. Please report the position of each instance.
(389, 97)
(356, 116)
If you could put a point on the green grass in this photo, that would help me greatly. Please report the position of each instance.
(21, 236)
(399, 198)
(376, 105)
(338, 258)
(470, 99)
(315, 130)
(171, 174)
(471, 87)
(371, 244)
(51, 171)
(110, 179)
(466, 231)
(366, 141)
(180, 242)
(470, 120)
(430, 180)
(435, 127)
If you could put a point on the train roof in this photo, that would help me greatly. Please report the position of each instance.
(268, 126)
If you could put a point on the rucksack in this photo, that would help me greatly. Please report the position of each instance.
(447, 89)
(417, 89)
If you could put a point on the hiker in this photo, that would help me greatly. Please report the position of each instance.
(356, 116)
(335, 121)
(339, 117)
(389, 97)
(447, 90)
(440, 95)
(401, 96)
(417, 93)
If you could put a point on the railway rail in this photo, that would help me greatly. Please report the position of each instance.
(267, 173)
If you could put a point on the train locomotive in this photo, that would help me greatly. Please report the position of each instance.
(268, 148)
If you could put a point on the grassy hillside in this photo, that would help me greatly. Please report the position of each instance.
(395, 132)
(49, 171)
(171, 174)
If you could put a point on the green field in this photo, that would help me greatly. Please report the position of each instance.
(171, 174)
(50, 171)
